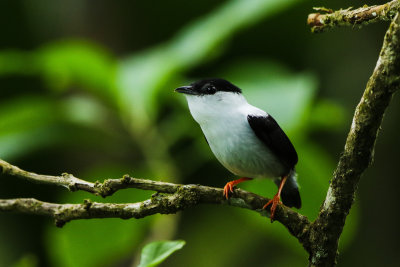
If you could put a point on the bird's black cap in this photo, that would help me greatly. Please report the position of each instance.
(209, 87)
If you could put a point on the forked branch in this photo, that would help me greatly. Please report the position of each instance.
(358, 151)
(320, 238)
(170, 198)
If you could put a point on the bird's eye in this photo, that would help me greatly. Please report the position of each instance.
(211, 89)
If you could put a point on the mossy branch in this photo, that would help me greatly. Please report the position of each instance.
(170, 198)
(72, 183)
(348, 17)
(358, 151)
(320, 238)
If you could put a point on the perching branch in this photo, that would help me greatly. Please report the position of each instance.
(173, 198)
(347, 17)
(358, 152)
(320, 238)
(107, 188)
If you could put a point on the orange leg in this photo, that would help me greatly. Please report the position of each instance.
(276, 199)
(229, 186)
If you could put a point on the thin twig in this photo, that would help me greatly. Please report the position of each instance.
(347, 17)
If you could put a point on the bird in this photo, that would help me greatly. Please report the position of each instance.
(246, 140)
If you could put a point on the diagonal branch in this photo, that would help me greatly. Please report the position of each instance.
(347, 17)
(320, 238)
(358, 152)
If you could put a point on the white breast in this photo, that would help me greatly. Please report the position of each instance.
(223, 119)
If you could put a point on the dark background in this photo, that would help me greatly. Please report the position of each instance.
(86, 87)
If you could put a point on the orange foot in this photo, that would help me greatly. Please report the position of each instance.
(274, 201)
(228, 188)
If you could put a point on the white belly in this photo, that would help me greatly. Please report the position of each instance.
(223, 119)
(240, 151)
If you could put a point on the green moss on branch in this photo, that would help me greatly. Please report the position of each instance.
(348, 17)
(358, 152)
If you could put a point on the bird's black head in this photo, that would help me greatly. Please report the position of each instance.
(208, 87)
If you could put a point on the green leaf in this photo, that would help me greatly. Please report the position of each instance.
(72, 62)
(48, 121)
(65, 64)
(199, 39)
(156, 252)
(23, 120)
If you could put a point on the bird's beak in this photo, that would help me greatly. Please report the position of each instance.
(186, 90)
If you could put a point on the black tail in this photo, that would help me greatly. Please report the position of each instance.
(290, 192)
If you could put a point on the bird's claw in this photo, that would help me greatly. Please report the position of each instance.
(274, 201)
(228, 188)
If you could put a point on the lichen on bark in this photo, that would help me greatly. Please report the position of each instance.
(320, 238)
(348, 17)
(358, 152)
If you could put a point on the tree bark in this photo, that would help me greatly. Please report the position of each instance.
(320, 238)
(358, 151)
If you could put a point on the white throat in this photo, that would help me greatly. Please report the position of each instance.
(207, 109)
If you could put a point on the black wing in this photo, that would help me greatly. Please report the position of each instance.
(269, 132)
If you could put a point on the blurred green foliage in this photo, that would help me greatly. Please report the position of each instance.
(85, 110)
(156, 252)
